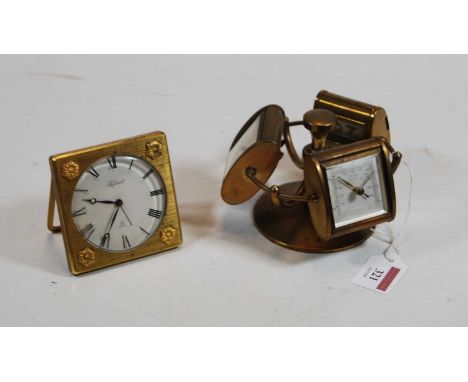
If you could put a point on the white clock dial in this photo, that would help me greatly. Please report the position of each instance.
(118, 203)
(357, 190)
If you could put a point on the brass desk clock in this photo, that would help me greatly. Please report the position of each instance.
(116, 202)
(346, 189)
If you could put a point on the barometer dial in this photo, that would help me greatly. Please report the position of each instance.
(357, 190)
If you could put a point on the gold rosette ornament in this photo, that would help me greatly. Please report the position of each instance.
(70, 170)
(167, 235)
(87, 257)
(153, 149)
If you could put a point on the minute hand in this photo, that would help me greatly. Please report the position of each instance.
(106, 236)
(356, 190)
(367, 178)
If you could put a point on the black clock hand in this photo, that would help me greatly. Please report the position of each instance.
(118, 204)
(346, 183)
(105, 239)
(362, 193)
(106, 236)
(356, 190)
(113, 219)
(94, 201)
(121, 207)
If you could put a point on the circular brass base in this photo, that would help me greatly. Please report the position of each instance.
(291, 227)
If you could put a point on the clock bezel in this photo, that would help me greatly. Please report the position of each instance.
(163, 208)
(167, 236)
(316, 182)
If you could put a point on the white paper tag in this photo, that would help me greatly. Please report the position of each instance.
(379, 274)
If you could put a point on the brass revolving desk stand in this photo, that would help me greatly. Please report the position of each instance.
(282, 214)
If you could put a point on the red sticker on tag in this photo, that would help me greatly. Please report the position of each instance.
(380, 274)
(387, 280)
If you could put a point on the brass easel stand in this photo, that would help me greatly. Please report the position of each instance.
(50, 216)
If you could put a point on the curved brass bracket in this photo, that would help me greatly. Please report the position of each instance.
(396, 157)
(277, 198)
(297, 160)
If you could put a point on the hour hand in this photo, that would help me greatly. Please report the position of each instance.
(94, 201)
(346, 183)
(356, 190)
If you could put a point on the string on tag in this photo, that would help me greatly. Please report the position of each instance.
(391, 239)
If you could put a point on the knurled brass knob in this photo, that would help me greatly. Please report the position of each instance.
(320, 122)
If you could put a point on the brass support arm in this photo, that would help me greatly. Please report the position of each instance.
(297, 160)
(278, 198)
(396, 157)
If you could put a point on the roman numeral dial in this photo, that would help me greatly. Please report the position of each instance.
(148, 173)
(112, 162)
(81, 211)
(91, 170)
(118, 203)
(157, 192)
(126, 242)
(88, 230)
(155, 213)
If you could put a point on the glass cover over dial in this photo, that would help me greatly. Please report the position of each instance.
(357, 190)
(248, 138)
(118, 203)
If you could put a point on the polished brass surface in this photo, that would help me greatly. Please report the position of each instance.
(80, 257)
(356, 120)
(316, 183)
(263, 155)
(292, 227)
(299, 215)
(278, 197)
(320, 123)
(396, 157)
(296, 159)
(275, 196)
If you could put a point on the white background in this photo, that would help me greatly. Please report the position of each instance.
(226, 273)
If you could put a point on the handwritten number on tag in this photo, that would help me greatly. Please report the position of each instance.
(376, 275)
(380, 275)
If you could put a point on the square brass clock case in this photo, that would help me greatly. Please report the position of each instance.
(316, 183)
(66, 170)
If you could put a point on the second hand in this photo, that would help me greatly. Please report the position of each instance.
(121, 207)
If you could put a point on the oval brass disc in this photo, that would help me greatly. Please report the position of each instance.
(257, 145)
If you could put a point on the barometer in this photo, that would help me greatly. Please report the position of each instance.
(347, 188)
